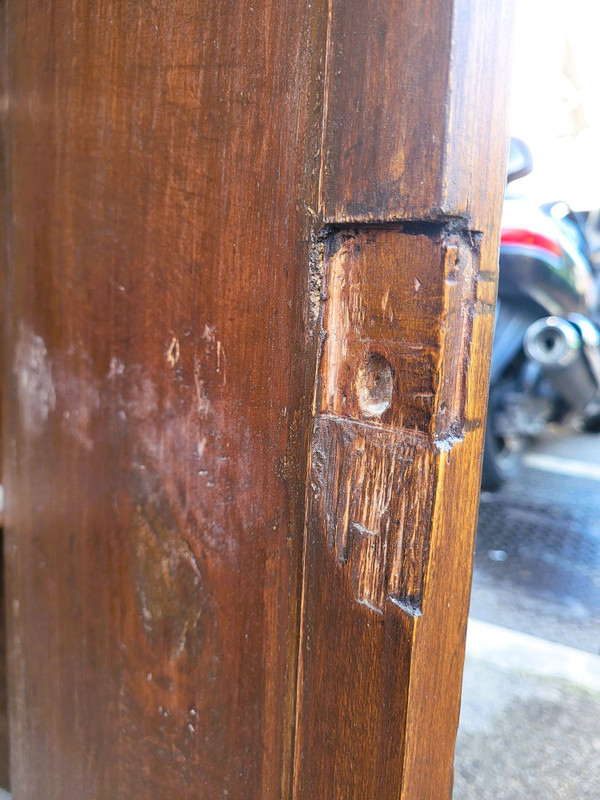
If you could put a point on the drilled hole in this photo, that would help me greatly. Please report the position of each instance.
(374, 384)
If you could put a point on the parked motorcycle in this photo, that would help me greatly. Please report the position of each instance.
(546, 353)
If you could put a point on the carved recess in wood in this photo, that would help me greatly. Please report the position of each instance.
(369, 499)
(386, 406)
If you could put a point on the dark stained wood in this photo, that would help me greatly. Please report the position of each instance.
(398, 303)
(4, 255)
(162, 158)
(438, 645)
(414, 133)
(249, 291)
(4, 730)
(413, 109)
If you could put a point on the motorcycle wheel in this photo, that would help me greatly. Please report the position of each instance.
(503, 454)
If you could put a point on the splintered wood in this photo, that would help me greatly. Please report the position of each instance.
(391, 406)
(391, 396)
(365, 483)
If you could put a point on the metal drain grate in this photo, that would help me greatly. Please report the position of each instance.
(537, 558)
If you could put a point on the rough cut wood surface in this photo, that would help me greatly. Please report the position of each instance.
(244, 421)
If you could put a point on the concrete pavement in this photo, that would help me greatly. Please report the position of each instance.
(530, 718)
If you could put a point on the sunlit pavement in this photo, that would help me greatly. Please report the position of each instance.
(530, 719)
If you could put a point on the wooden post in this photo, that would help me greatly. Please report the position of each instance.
(412, 180)
(250, 283)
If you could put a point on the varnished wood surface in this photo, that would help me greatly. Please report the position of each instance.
(407, 323)
(162, 156)
(172, 292)
(4, 728)
(415, 97)
(404, 301)
(4, 258)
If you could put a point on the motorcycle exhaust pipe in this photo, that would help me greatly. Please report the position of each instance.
(559, 347)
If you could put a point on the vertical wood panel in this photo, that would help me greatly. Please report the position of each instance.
(162, 156)
(172, 170)
(385, 115)
(412, 176)
(415, 97)
(4, 257)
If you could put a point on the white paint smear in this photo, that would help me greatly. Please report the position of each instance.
(35, 387)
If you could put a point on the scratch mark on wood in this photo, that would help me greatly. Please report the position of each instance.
(367, 493)
(173, 351)
(459, 308)
(203, 403)
(222, 357)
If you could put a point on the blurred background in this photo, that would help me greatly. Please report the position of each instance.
(555, 98)
(530, 719)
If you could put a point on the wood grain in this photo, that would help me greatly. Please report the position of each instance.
(161, 158)
(415, 98)
(251, 263)
(404, 301)
(4, 728)
(414, 133)
(4, 260)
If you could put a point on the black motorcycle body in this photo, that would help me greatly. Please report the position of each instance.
(546, 353)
